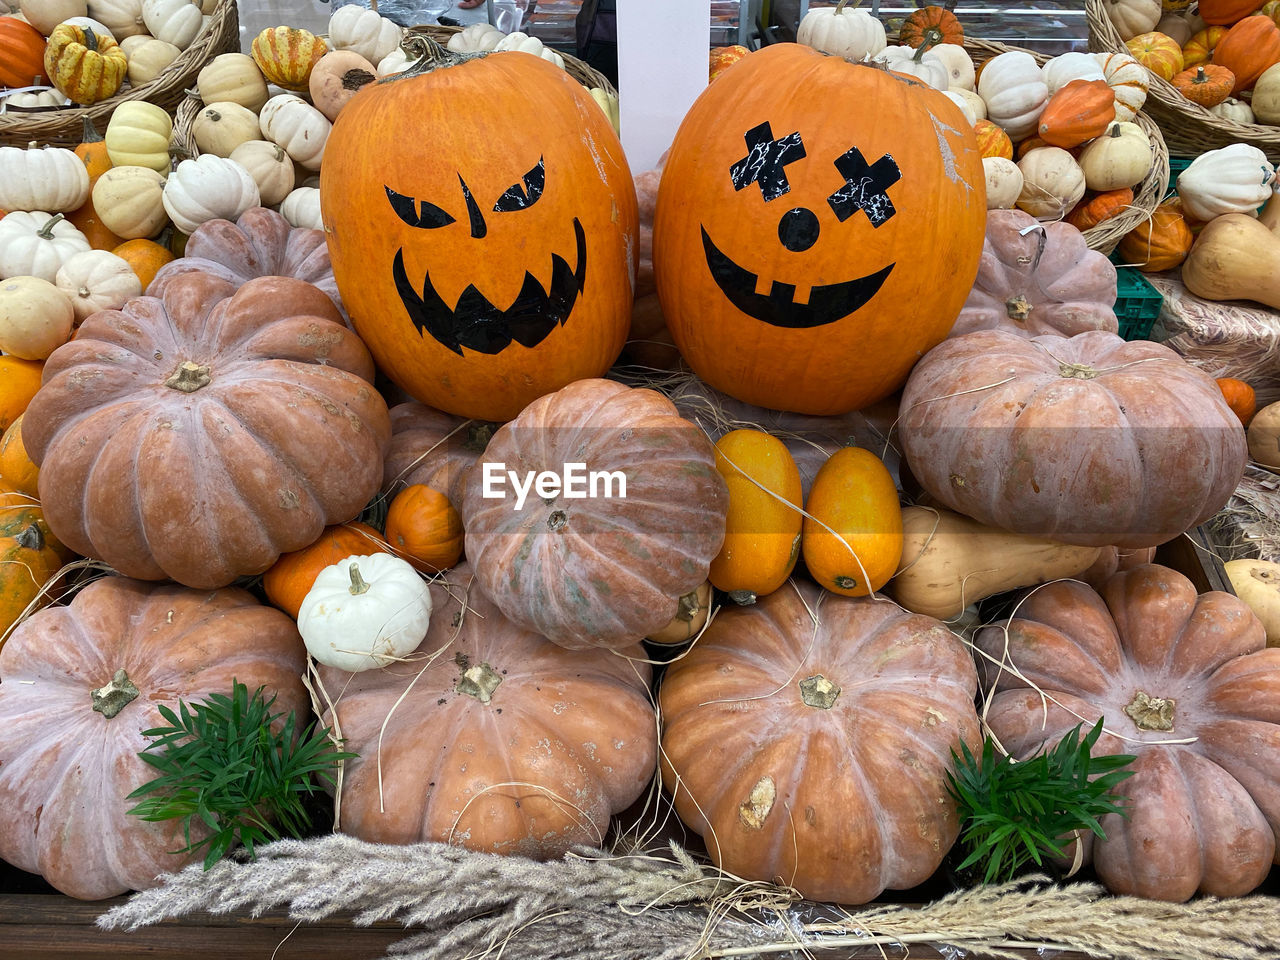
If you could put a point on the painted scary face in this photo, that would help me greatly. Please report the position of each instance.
(474, 322)
(863, 188)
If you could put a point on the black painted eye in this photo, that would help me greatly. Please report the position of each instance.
(521, 196)
(866, 187)
(426, 216)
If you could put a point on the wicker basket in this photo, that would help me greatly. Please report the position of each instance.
(183, 142)
(63, 126)
(1146, 196)
(1189, 129)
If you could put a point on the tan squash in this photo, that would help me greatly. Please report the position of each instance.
(1257, 583)
(1264, 437)
(950, 561)
(690, 618)
(1234, 258)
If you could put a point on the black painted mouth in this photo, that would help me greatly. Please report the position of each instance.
(476, 324)
(827, 303)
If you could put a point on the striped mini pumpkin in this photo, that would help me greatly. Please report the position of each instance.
(285, 55)
(86, 67)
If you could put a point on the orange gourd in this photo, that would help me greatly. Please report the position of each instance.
(931, 25)
(286, 55)
(145, 257)
(1026, 146)
(1226, 11)
(1240, 397)
(1207, 84)
(289, 579)
(1248, 49)
(762, 528)
(21, 54)
(424, 528)
(92, 150)
(16, 469)
(1102, 206)
(1160, 243)
(721, 59)
(852, 536)
(1079, 111)
(1158, 53)
(19, 381)
(30, 556)
(993, 141)
(1199, 49)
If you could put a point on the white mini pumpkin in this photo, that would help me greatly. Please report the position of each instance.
(44, 15)
(365, 612)
(129, 200)
(1052, 183)
(1233, 179)
(916, 62)
(35, 317)
(1132, 17)
(42, 178)
(957, 97)
(1014, 91)
(174, 21)
(842, 32)
(97, 280)
(235, 77)
(1004, 182)
(373, 36)
(1062, 69)
(297, 126)
(207, 188)
(397, 61)
(221, 127)
(476, 38)
(1121, 157)
(122, 17)
(148, 57)
(271, 168)
(527, 44)
(1237, 111)
(960, 70)
(302, 208)
(36, 243)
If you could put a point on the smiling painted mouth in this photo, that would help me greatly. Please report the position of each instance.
(478, 325)
(827, 303)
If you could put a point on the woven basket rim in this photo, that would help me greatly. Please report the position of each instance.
(1148, 195)
(1196, 122)
(222, 35)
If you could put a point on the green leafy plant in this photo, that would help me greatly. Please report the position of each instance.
(1014, 813)
(225, 762)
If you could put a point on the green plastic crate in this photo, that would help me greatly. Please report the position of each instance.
(1176, 166)
(1137, 304)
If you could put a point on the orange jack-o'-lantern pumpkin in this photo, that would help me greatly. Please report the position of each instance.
(482, 224)
(818, 228)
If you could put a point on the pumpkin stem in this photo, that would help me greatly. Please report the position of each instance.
(358, 583)
(1018, 308)
(1151, 713)
(1077, 371)
(90, 39)
(427, 55)
(818, 691)
(1200, 76)
(688, 606)
(212, 114)
(31, 537)
(479, 681)
(932, 37)
(46, 232)
(115, 696)
(89, 133)
(189, 377)
(356, 78)
(557, 519)
(743, 598)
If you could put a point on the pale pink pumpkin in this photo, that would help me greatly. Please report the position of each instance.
(433, 448)
(66, 766)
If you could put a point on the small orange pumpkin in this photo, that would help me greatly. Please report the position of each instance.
(21, 54)
(721, 59)
(286, 56)
(30, 556)
(1207, 84)
(1102, 206)
(931, 25)
(1160, 243)
(1158, 53)
(993, 141)
(1240, 398)
(1248, 49)
(146, 257)
(1199, 49)
(19, 381)
(16, 469)
(424, 528)
(1226, 11)
(290, 578)
(92, 151)
(1026, 146)
(1080, 111)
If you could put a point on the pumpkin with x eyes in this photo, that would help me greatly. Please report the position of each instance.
(486, 256)
(818, 227)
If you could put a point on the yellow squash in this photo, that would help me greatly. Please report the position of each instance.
(83, 65)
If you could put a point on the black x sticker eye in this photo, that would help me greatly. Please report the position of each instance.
(521, 196)
(865, 187)
(765, 161)
(426, 216)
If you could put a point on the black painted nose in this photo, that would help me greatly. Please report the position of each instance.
(798, 229)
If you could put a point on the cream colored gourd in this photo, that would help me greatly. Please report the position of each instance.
(44, 15)
(36, 243)
(923, 66)
(1264, 437)
(148, 57)
(97, 280)
(1265, 102)
(174, 21)
(960, 71)
(271, 168)
(1052, 183)
(959, 100)
(1121, 157)
(842, 31)
(88, 22)
(207, 7)
(1257, 583)
(122, 17)
(1234, 258)
(476, 38)
(35, 317)
(1132, 17)
(33, 97)
(397, 61)
(1269, 216)
(138, 135)
(297, 126)
(208, 188)
(1014, 92)
(1237, 111)
(302, 208)
(42, 178)
(1062, 69)
(1004, 182)
(234, 77)
(950, 561)
(129, 201)
(1130, 81)
(221, 127)
(977, 106)
(366, 32)
(1176, 27)
(1236, 178)
(527, 44)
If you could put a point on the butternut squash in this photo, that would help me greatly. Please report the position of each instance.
(762, 529)
(852, 536)
(1270, 215)
(1234, 258)
(950, 561)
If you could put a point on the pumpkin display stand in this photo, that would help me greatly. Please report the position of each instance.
(1189, 129)
(63, 126)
